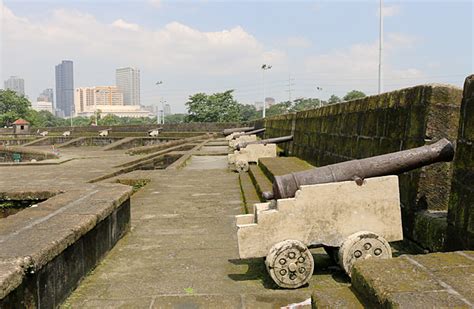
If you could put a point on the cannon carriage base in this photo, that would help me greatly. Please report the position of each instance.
(357, 220)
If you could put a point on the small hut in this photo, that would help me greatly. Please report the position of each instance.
(21, 126)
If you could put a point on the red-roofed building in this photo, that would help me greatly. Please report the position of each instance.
(21, 126)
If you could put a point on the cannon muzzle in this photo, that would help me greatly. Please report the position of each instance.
(249, 133)
(285, 186)
(275, 140)
(243, 129)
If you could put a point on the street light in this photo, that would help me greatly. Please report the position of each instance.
(264, 68)
(158, 110)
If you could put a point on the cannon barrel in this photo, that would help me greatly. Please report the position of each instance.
(249, 133)
(285, 186)
(243, 129)
(274, 140)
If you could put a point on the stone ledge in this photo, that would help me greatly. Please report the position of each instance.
(26, 241)
(417, 280)
(278, 166)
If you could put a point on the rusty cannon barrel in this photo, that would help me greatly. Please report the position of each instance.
(233, 130)
(258, 131)
(274, 140)
(285, 186)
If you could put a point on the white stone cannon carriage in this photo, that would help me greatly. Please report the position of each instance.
(250, 152)
(104, 133)
(351, 209)
(154, 132)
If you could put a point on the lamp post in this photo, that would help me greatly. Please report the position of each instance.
(380, 46)
(158, 110)
(264, 68)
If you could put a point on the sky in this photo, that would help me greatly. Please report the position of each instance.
(315, 48)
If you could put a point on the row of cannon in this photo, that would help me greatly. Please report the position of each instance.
(351, 208)
(103, 133)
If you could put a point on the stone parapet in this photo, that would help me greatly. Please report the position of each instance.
(46, 250)
(461, 207)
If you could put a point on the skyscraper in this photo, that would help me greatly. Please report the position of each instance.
(128, 82)
(46, 96)
(65, 89)
(16, 84)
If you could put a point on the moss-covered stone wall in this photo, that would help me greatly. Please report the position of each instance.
(461, 206)
(377, 125)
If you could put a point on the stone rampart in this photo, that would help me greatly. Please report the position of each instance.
(461, 206)
(381, 124)
(45, 251)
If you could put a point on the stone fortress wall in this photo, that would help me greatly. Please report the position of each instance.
(461, 205)
(381, 124)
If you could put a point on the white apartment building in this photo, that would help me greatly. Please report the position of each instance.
(43, 106)
(128, 82)
(107, 99)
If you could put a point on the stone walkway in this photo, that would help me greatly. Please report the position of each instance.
(181, 251)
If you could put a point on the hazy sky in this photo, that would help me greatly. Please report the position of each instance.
(210, 46)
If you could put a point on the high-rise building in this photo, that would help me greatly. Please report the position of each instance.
(46, 96)
(128, 81)
(107, 99)
(65, 89)
(16, 84)
(85, 97)
(167, 109)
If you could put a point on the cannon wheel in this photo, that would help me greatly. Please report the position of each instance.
(362, 246)
(242, 166)
(290, 264)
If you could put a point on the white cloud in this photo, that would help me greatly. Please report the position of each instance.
(120, 23)
(97, 48)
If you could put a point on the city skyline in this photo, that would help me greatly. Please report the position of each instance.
(215, 46)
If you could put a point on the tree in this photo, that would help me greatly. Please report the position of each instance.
(305, 103)
(354, 94)
(334, 99)
(175, 118)
(248, 112)
(109, 120)
(278, 109)
(12, 107)
(218, 107)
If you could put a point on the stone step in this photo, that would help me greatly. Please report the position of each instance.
(119, 143)
(71, 142)
(342, 297)
(249, 193)
(36, 141)
(259, 180)
(417, 281)
(282, 165)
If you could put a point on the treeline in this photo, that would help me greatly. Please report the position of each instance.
(201, 107)
(222, 107)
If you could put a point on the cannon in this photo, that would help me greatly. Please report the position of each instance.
(258, 131)
(154, 132)
(388, 164)
(103, 133)
(237, 138)
(234, 130)
(274, 140)
(252, 151)
(353, 212)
